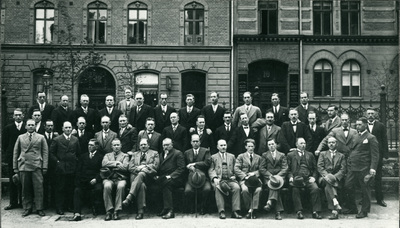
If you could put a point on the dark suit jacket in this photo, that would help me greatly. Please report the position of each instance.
(343, 144)
(88, 168)
(188, 120)
(202, 160)
(270, 167)
(92, 119)
(293, 159)
(243, 166)
(59, 116)
(316, 137)
(84, 140)
(41, 128)
(8, 138)
(162, 119)
(65, 154)
(46, 113)
(138, 120)
(125, 108)
(105, 145)
(206, 140)
(128, 139)
(287, 137)
(113, 117)
(221, 133)
(365, 153)
(236, 143)
(173, 165)
(303, 114)
(379, 131)
(50, 140)
(154, 142)
(264, 136)
(213, 120)
(281, 116)
(180, 137)
(336, 167)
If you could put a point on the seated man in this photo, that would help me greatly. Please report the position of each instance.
(117, 164)
(332, 168)
(221, 172)
(88, 180)
(143, 167)
(248, 165)
(274, 168)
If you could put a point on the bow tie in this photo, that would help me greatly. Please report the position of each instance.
(370, 123)
(345, 129)
(150, 132)
(245, 127)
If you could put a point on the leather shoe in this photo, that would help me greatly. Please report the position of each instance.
(27, 212)
(76, 218)
(163, 212)
(334, 216)
(300, 215)
(267, 207)
(115, 216)
(338, 207)
(362, 215)
(349, 211)
(108, 216)
(127, 201)
(278, 216)
(382, 203)
(10, 207)
(236, 215)
(316, 215)
(60, 212)
(169, 215)
(139, 216)
(222, 215)
(41, 213)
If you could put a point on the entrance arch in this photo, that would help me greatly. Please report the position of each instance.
(97, 83)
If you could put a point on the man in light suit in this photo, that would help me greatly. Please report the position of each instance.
(253, 112)
(91, 116)
(126, 104)
(127, 136)
(30, 159)
(241, 133)
(64, 152)
(269, 131)
(61, 114)
(334, 120)
(198, 159)
(226, 130)
(189, 113)
(105, 136)
(140, 112)
(213, 113)
(142, 167)
(153, 137)
(112, 112)
(177, 133)
(281, 114)
(363, 161)
(41, 105)
(304, 108)
(222, 169)
(344, 135)
(162, 113)
(248, 164)
(332, 169)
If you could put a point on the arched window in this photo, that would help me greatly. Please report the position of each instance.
(194, 24)
(97, 23)
(44, 22)
(137, 23)
(323, 78)
(351, 79)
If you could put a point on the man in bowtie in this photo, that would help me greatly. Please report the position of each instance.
(126, 104)
(153, 137)
(226, 130)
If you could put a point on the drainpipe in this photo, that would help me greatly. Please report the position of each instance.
(301, 49)
(232, 53)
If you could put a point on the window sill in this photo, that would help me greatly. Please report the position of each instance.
(352, 98)
(324, 98)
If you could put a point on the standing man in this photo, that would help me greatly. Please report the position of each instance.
(61, 114)
(213, 113)
(206, 137)
(363, 161)
(91, 116)
(247, 165)
(244, 131)
(44, 108)
(64, 152)
(281, 114)
(112, 112)
(162, 113)
(188, 114)
(221, 173)
(105, 136)
(177, 133)
(172, 166)
(317, 133)
(378, 129)
(39, 125)
(9, 137)
(127, 136)
(304, 108)
(252, 112)
(30, 161)
(140, 112)
(126, 104)
(116, 165)
(334, 120)
(142, 167)
(83, 135)
(153, 137)
(269, 132)
(226, 130)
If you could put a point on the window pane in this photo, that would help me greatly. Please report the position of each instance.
(132, 14)
(103, 14)
(102, 32)
(199, 15)
(186, 28)
(346, 91)
(200, 28)
(50, 14)
(354, 23)
(264, 22)
(317, 5)
(272, 5)
(327, 84)
(143, 35)
(318, 66)
(346, 66)
(355, 91)
(273, 22)
(327, 66)
(344, 5)
(345, 23)
(40, 13)
(91, 31)
(92, 14)
(49, 31)
(327, 23)
(354, 5)
(131, 34)
(355, 66)
(326, 6)
(346, 79)
(39, 32)
(317, 84)
(355, 79)
(143, 14)
(189, 14)
(317, 23)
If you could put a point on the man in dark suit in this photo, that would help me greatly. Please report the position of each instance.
(304, 108)
(140, 113)
(64, 151)
(291, 131)
(226, 130)
(334, 120)
(111, 112)
(39, 125)
(363, 162)
(241, 133)
(172, 166)
(127, 136)
(45, 108)
(317, 133)
(126, 104)
(177, 133)
(162, 113)
(91, 116)
(9, 136)
(88, 182)
(153, 138)
(302, 173)
(30, 161)
(253, 112)
(269, 131)
(105, 136)
(281, 114)
(61, 114)
(206, 135)
(82, 134)
(189, 113)
(198, 159)
(213, 113)
(378, 129)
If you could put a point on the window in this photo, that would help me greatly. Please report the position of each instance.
(269, 17)
(350, 21)
(137, 23)
(194, 24)
(147, 83)
(322, 78)
(351, 75)
(194, 82)
(97, 22)
(44, 22)
(322, 18)
(42, 81)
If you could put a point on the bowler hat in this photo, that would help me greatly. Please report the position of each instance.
(368, 178)
(197, 179)
(105, 173)
(252, 182)
(223, 187)
(275, 182)
(298, 181)
(331, 179)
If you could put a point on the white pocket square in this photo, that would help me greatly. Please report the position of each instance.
(365, 141)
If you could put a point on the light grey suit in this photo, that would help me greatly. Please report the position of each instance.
(105, 144)
(253, 114)
(343, 143)
(125, 108)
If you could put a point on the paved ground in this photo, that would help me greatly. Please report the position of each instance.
(379, 217)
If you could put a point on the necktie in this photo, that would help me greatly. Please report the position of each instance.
(138, 109)
(312, 127)
(143, 157)
(200, 133)
(189, 110)
(301, 153)
(121, 131)
(165, 154)
(109, 111)
(370, 123)
(18, 126)
(195, 154)
(81, 133)
(105, 134)
(30, 137)
(227, 128)
(269, 128)
(85, 110)
(333, 155)
(91, 155)
(41, 107)
(68, 138)
(174, 127)
(251, 158)
(273, 155)
(223, 157)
